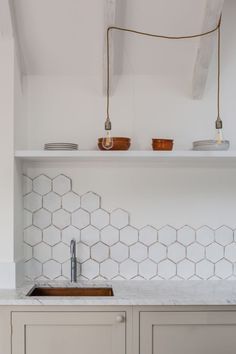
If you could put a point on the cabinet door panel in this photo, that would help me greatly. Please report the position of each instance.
(187, 332)
(62, 333)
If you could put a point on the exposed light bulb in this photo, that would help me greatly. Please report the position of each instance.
(219, 136)
(107, 141)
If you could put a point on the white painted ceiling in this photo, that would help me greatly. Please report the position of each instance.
(65, 37)
(60, 36)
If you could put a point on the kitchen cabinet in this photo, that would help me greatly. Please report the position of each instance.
(187, 332)
(69, 332)
(118, 329)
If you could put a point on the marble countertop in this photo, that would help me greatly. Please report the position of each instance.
(134, 293)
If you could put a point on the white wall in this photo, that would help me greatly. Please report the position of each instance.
(12, 136)
(152, 99)
(144, 106)
(156, 196)
(19, 140)
(7, 266)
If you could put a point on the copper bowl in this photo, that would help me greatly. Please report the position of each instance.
(119, 143)
(162, 144)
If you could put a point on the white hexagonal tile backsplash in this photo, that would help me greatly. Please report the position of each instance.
(108, 245)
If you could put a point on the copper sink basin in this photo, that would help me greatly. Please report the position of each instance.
(37, 291)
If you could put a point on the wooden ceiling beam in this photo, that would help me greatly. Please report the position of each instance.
(8, 27)
(6, 24)
(206, 47)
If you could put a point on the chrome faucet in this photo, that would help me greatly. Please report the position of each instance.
(73, 261)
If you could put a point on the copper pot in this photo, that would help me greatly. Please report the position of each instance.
(162, 144)
(119, 143)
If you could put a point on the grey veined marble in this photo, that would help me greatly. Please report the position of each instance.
(134, 293)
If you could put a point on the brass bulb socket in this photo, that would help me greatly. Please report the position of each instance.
(219, 123)
(108, 125)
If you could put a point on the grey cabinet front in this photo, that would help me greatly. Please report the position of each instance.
(68, 333)
(187, 332)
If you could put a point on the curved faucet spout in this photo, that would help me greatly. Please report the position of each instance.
(73, 261)
(73, 248)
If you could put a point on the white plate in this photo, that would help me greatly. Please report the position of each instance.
(211, 145)
(60, 144)
(52, 146)
(55, 149)
(62, 147)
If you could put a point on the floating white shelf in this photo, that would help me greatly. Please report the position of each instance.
(206, 158)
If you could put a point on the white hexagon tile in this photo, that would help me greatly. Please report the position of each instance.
(108, 245)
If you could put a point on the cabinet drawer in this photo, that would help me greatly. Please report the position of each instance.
(187, 332)
(68, 332)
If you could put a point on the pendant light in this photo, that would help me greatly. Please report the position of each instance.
(218, 143)
(218, 123)
(107, 141)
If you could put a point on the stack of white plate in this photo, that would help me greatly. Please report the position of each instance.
(60, 146)
(210, 145)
